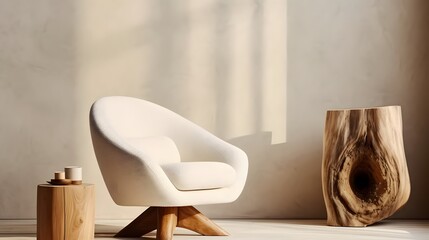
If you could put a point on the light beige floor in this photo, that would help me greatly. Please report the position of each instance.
(252, 230)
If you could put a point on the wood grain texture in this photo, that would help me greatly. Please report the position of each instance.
(65, 212)
(167, 222)
(79, 212)
(364, 171)
(190, 218)
(50, 213)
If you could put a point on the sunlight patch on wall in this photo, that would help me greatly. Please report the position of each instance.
(237, 56)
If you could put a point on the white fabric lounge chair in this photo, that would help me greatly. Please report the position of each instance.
(151, 156)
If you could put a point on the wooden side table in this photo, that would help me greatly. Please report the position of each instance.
(65, 212)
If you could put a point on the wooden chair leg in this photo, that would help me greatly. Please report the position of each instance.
(167, 222)
(145, 223)
(190, 218)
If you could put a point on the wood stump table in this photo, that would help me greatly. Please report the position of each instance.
(364, 170)
(65, 212)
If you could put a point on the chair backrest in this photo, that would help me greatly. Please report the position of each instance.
(134, 118)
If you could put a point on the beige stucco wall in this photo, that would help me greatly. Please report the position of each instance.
(221, 64)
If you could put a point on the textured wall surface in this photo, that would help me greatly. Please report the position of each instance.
(221, 64)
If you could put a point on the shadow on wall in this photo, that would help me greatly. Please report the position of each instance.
(283, 181)
(415, 118)
(37, 98)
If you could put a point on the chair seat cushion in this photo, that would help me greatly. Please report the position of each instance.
(187, 176)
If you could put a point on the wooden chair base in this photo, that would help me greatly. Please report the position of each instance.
(166, 219)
